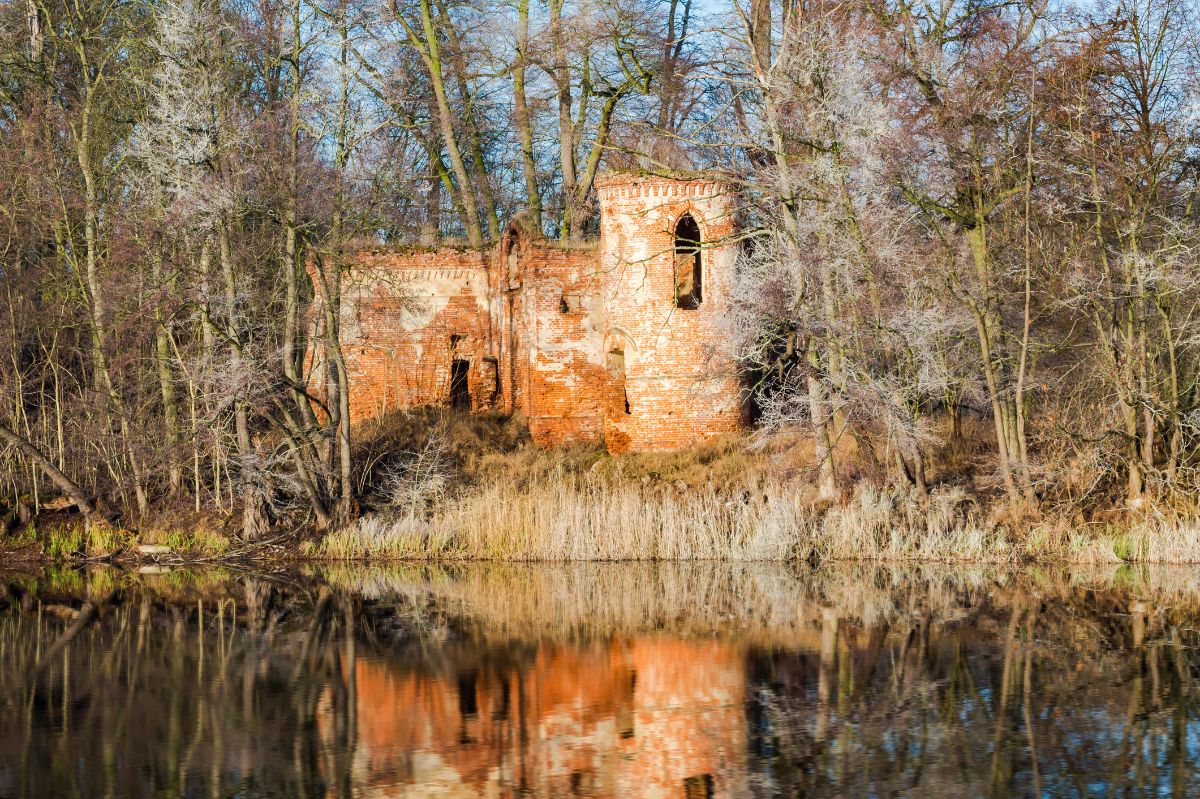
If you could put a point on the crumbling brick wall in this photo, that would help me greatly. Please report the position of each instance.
(407, 316)
(585, 341)
(526, 325)
(678, 386)
(566, 376)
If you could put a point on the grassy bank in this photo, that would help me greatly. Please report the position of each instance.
(441, 486)
(473, 489)
(576, 517)
(164, 538)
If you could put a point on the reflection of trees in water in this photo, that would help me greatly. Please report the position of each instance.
(203, 697)
(1022, 697)
(852, 682)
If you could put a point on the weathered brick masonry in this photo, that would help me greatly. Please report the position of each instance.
(611, 341)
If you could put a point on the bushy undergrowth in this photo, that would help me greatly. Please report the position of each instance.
(443, 486)
(71, 538)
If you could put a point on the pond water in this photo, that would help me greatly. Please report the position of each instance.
(602, 680)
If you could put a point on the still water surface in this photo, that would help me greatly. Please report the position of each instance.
(682, 681)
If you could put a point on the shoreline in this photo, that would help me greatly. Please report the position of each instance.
(447, 488)
(252, 556)
(497, 524)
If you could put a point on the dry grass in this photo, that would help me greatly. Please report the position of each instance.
(727, 500)
(584, 517)
(1153, 539)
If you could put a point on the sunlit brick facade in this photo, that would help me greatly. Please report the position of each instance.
(611, 341)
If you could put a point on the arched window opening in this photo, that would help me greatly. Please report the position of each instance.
(688, 278)
(616, 368)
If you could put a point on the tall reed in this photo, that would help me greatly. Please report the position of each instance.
(572, 517)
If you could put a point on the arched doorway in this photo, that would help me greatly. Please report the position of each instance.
(619, 407)
(619, 394)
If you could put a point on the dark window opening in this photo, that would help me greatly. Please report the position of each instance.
(563, 305)
(455, 340)
(460, 389)
(468, 702)
(583, 783)
(688, 277)
(698, 787)
(625, 714)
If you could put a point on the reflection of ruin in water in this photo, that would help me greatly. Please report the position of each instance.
(644, 716)
(603, 681)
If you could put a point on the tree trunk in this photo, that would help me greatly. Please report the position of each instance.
(65, 484)
(103, 379)
(822, 440)
(431, 225)
(430, 53)
(523, 120)
(566, 126)
(479, 171)
(37, 37)
(986, 329)
(1019, 391)
(166, 387)
(254, 521)
(760, 32)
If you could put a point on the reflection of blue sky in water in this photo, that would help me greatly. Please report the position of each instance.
(667, 680)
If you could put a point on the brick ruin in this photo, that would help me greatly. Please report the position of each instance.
(608, 341)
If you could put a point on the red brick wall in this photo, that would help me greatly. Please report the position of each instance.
(537, 322)
(566, 375)
(549, 360)
(402, 310)
(409, 314)
(680, 389)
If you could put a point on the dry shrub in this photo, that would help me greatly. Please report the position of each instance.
(386, 443)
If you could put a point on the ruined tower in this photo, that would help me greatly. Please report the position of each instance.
(666, 269)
